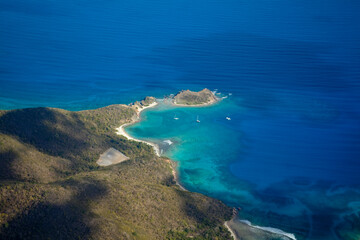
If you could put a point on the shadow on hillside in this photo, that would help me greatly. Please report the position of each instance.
(191, 206)
(70, 220)
(6, 158)
(204, 210)
(48, 130)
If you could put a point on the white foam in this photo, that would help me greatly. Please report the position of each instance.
(168, 141)
(270, 229)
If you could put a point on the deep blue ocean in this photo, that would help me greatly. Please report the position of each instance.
(289, 156)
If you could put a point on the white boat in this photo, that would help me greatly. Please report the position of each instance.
(197, 119)
(227, 118)
(176, 118)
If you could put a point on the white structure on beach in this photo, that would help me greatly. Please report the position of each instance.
(110, 157)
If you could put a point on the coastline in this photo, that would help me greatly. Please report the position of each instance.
(266, 230)
(233, 235)
(120, 130)
(270, 230)
(173, 165)
(226, 224)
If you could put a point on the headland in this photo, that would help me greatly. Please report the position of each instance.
(51, 185)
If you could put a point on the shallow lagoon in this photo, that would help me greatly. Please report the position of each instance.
(297, 184)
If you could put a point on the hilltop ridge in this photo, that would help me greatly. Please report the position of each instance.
(51, 186)
(190, 98)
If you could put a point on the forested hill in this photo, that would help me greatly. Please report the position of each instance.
(52, 188)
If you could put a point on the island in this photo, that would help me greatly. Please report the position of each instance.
(189, 98)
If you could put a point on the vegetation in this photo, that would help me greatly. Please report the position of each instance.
(147, 101)
(51, 187)
(143, 103)
(188, 97)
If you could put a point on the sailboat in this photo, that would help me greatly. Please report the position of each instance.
(176, 118)
(197, 119)
(228, 118)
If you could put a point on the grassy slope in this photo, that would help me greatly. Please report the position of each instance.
(51, 187)
(195, 98)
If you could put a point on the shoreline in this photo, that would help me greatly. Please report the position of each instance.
(121, 131)
(270, 230)
(173, 165)
(174, 173)
(232, 233)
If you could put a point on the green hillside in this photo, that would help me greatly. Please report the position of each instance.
(190, 98)
(52, 188)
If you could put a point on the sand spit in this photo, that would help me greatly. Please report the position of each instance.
(120, 130)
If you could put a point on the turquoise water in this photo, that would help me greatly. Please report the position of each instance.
(271, 179)
(199, 148)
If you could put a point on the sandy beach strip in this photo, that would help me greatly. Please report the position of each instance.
(270, 230)
(230, 230)
(121, 131)
(233, 226)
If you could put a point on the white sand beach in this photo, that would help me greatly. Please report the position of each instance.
(230, 230)
(270, 229)
(120, 130)
(243, 229)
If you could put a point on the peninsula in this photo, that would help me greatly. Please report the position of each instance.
(78, 175)
(51, 186)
